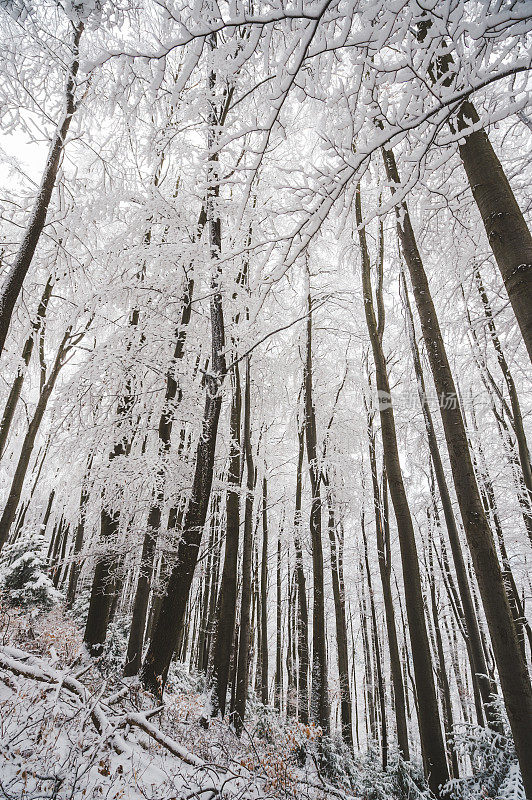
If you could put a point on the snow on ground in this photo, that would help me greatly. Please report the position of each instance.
(69, 731)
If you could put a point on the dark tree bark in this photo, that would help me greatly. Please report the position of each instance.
(79, 537)
(508, 234)
(47, 512)
(28, 444)
(149, 545)
(226, 612)
(428, 715)
(369, 694)
(515, 681)
(480, 670)
(506, 229)
(319, 704)
(14, 280)
(385, 565)
(443, 679)
(162, 645)
(487, 494)
(291, 652)
(336, 546)
(264, 693)
(377, 656)
(302, 610)
(27, 350)
(242, 667)
(23, 508)
(516, 417)
(214, 587)
(104, 588)
(278, 683)
(198, 641)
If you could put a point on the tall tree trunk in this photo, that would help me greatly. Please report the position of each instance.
(103, 588)
(487, 493)
(319, 704)
(443, 679)
(27, 350)
(149, 545)
(214, 588)
(515, 681)
(242, 667)
(302, 610)
(198, 642)
(522, 445)
(28, 444)
(508, 234)
(12, 285)
(369, 684)
(428, 715)
(278, 683)
(79, 537)
(226, 612)
(385, 566)
(506, 229)
(480, 670)
(336, 546)
(377, 655)
(23, 510)
(291, 652)
(264, 596)
(162, 645)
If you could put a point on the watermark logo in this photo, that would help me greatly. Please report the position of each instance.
(410, 400)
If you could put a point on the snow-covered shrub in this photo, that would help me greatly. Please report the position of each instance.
(496, 774)
(334, 760)
(23, 575)
(182, 680)
(115, 648)
(402, 780)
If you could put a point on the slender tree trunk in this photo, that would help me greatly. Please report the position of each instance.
(291, 683)
(522, 445)
(442, 671)
(226, 612)
(336, 546)
(428, 715)
(278, 632)
(28, 444)
(319, 704)
(508, 234)
(162, 645)
(12, 285)
(27, 350)
(149, 545)
(213, 588)
(23, 509)
(79, 538)
(377, 655)
(490, 506)
(198, 643)
(506, 229)
(480, 671)
(385, 565)
(242, 668)
(60, 558)
(371, 709)
(515, 681)
(264, 596)
(302, 610)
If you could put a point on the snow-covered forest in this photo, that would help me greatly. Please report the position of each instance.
(265, 342)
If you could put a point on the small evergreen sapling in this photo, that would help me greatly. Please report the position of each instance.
(23, 577)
